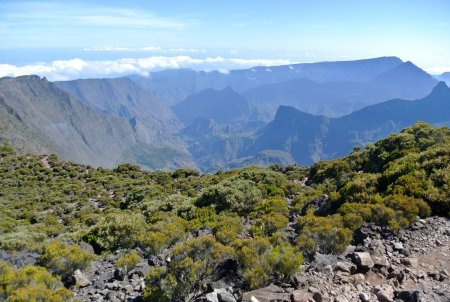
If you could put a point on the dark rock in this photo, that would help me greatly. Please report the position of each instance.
(228, 274)
(19, 259)
(119, 274)
(409, 296)
(203, 231)
(364, 297)
(141, 269)
(156, 261)
(384, 293)
(411, 262)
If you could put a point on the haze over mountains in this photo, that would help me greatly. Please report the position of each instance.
(213, 120)
(445, 77)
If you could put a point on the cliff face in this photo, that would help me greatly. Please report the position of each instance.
(72, 129)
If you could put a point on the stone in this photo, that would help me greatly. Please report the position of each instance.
(345, 267)
(212, 297)
(398, 246)
(129, 288)
(224, 295)
(317, 296)
(81, 279)
(409, 296)
(358, 279)
(384, 293)
(380, 260)
(341, 298)
(86, 247)
(364, 297)
(411, 262)
(141, 269)
(301, 295)
(363, 260)
(270, 293)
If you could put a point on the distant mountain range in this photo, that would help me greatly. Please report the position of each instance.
(339, 98)
(224, 106)
(173, 86)
(213, 120)
(308, 138)
(328, 88)
(445, 77)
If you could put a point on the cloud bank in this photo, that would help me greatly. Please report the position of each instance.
(78, 68)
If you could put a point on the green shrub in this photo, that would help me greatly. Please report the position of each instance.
(117, 230)
(324, 234)
(260, 259)
(189, 270)
(63, 259)
(128, 261)
(30, 283)
(164, 231)
(227, 228)
(239, 196)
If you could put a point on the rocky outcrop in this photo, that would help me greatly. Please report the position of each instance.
(102, 281)
(412, 265)
(19, 259)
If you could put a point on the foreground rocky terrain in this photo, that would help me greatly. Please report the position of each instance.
(412, 265)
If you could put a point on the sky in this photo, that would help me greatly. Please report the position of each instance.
(92, 38)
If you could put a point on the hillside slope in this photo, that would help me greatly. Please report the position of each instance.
(79, 132)
(154, 122)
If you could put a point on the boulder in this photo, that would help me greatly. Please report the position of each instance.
(81, 279)
(271, 293)
(409, 296)
(301, 295)
(411, 262)
(379, 260)
(362, 260)
(384, 293)
(398, 246)
(341, 298)
(225, 296)
(212, 297)
(364, 297)
(345, 267)
(358, 279)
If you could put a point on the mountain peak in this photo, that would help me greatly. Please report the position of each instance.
(287, 113)
(440, 89)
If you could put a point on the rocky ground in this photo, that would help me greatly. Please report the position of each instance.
(410, 266)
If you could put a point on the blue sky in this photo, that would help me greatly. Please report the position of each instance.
(68, 39)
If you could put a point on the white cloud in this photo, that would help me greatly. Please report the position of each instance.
(437, 70)
(260, 62)
(144, 49)
(189, 50)
(78, 68)
(88, 15)
(123, 49)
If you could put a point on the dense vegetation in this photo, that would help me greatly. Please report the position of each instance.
(265, 218)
